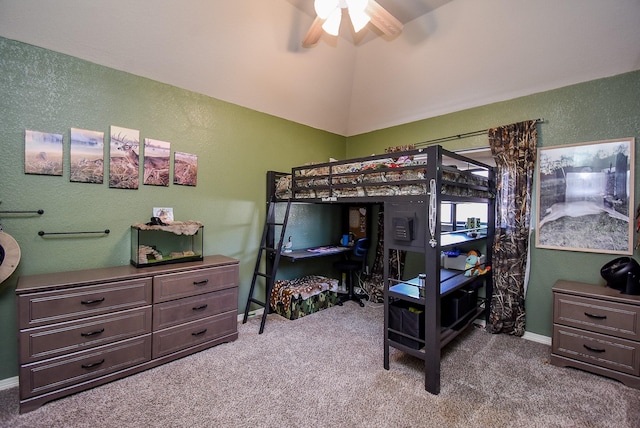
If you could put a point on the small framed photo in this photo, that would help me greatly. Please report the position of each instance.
(585, 197)
(165, 214)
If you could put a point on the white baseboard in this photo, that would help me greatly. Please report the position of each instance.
(8, 383)
(534, 337)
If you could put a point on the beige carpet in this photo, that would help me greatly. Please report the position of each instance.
(325, 370)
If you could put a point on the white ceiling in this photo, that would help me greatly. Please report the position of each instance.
(451, 55)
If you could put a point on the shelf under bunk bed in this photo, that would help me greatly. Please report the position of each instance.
(460, 305)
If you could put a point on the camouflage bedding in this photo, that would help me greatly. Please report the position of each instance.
(401, 176)
(296, 298)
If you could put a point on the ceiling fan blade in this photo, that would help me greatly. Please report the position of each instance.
(314, 33)
(382, 19)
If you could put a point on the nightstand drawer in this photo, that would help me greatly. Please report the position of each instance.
(194, 333)
(617, 319)
(63, 338)
(56, 373)
(604, 351)
(179, 311)
(64, 305)
(200, 281)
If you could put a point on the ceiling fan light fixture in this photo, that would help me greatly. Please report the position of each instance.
(324, 8)
(332, 24)
(359, 19)
(357, 4)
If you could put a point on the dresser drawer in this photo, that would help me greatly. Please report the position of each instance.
(179, 311)
(604, 351)
(63, 305)
(194, 333)
(200, 281)
(72, 336)
(53, 374)
(617, 319)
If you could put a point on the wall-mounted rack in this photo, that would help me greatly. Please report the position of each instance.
(23, 212)
(102, 232)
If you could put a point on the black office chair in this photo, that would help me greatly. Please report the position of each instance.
(356, 262)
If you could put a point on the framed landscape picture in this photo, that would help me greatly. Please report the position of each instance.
(124, 155)
(185, 169)
(87, 156)
(585, 197)
(156, 162)
(42, 153)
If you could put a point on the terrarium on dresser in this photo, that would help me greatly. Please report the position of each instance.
(163, 244)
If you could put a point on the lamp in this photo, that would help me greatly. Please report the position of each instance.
(331, 12)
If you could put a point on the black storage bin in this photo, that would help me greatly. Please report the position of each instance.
(409, 320)
(453, 307)
(459, 303)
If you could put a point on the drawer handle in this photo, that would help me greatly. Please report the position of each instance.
(90, 365)
(200, 308)
(593, 349)
(203, 282)
(92, 333)
(92, 301)
(598, 317)
(199, 333)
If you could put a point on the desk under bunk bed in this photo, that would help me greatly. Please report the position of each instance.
(413, 186)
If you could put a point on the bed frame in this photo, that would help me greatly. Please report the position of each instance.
(412, 185)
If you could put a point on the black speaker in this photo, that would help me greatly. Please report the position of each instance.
(622, 274)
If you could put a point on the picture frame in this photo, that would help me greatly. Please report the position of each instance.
(43, 153)
(156, 162)
(124, 155)
(163, 213)
(585, 197)
(86, 156)
(185, 169)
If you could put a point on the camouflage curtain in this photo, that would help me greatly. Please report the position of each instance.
(514, 149)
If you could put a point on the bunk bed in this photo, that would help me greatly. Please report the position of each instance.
(412, 185)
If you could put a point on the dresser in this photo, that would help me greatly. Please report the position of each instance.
(84, 328)
(596, 329)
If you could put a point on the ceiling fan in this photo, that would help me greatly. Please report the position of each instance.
(361, 12)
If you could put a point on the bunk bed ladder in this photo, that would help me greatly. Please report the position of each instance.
(273, 251)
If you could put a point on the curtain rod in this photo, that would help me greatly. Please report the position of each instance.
(459, 136)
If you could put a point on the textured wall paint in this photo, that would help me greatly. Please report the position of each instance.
(598, 110)
(46, 91)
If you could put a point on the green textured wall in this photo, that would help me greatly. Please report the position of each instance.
(46, 91)
(598, 110)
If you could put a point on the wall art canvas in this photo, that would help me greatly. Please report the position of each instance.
(124, 153)
(87, 156)
(156, 162)
(185, 169)
(585, 197)
(42, 153)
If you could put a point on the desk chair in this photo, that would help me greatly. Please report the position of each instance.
(356, 262)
